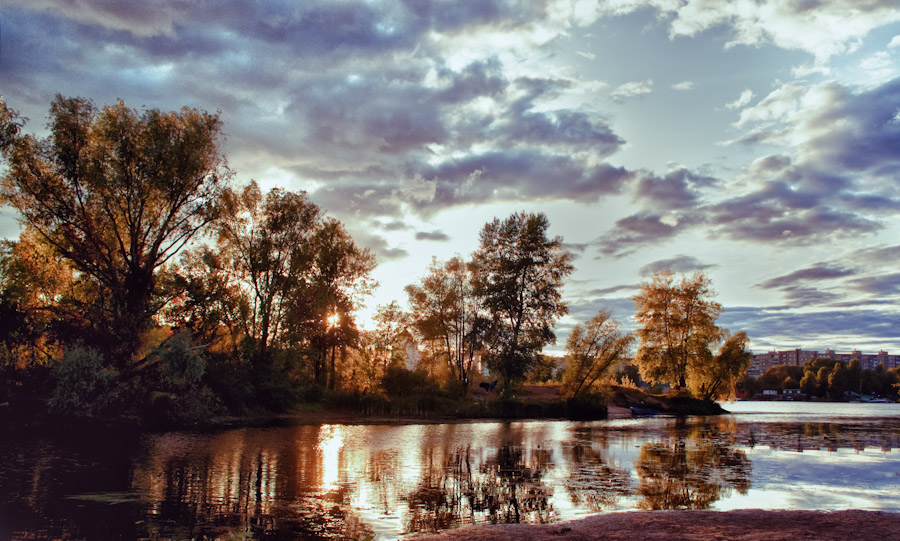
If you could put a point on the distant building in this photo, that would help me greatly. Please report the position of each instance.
(799, 357)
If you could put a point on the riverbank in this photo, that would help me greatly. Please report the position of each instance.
(741, 525)
(544, 402)
(530, 402)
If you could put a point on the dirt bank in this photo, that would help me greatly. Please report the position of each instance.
(743, 525)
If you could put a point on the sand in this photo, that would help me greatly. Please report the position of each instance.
(743, 525)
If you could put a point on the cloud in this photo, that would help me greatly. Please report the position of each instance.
(877, 256)
(863, 327)
(814, 273)
(778, 213)
(394, 225)
(678, 264)
(741, 101)
(634, 231)
(432, 235)
(589, 56)
(602, 292)
(822, 29)
(834, 185)
(879, 66)
(143, 19)
(677, 189)
(880, 285)
(894, 43)
(632, 89)
(683, 85)
(840, 283)
(583, 310)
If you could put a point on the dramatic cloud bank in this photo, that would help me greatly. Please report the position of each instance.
(756, 141)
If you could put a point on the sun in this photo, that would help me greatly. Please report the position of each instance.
(333, 320)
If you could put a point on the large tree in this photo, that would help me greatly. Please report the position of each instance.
(117, 193)
(322, 302)
(676, 327)
(724, 370)
(267, 242)
(519, 273)
(446, 315)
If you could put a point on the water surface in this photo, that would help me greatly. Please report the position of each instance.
(387, 481)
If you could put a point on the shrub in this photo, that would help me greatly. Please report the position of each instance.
(84, 387)
(398, 381)
(181, 364)
(178, 396)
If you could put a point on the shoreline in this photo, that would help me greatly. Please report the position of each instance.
(693, 525)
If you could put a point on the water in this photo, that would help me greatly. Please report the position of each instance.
(386, 481)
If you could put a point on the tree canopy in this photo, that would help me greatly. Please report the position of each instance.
(117, 193)
(676, 327)
(446, 315)
(519, 274)
(592, 351)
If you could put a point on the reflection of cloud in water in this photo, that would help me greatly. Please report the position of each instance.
(842, 479)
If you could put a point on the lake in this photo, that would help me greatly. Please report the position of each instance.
(386, 481)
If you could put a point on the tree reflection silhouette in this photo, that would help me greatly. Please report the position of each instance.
(692, 470)
(507, 487)
(593, 482)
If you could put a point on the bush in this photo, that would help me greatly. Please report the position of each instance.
(398, 381)
(171, 409)
(230, 381)
(84, 387)
(181, 365)
(178, 396)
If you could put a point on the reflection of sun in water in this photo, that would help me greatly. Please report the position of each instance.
(331, 440)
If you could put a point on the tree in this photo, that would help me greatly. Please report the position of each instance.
(809, 385)
(593, 352)
(323, 300)
(676, 327)
(518, 279)
(446, 315)
(117, 194)
(724, 370)
(208, 301)
(390, 335)
(266, 240)
(34, 284)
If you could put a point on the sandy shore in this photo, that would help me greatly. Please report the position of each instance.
(743, 525)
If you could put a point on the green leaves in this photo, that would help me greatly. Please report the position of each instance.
(519, 274)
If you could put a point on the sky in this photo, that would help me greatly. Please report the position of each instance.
(756, 141)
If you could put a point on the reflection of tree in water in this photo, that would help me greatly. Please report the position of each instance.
(692, 470)
(857, 434)
(242, 483)
(438, 502)
(593, 482)
(505, 488)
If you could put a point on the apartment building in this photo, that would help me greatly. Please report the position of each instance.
(799, 357)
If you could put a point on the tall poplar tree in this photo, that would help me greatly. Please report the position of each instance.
(519, 274)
